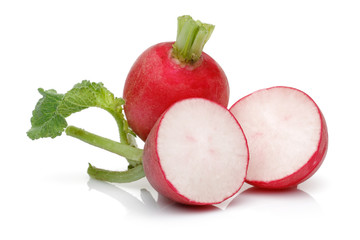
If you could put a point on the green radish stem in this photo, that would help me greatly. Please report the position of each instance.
(191, 38)
(132, 174)
(124, 150)
(134, 156)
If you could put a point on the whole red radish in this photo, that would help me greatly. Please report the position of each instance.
(168, 72)
(287, 136)
(196, 153)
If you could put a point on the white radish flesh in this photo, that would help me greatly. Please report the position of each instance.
(286, 133)
(196, 153)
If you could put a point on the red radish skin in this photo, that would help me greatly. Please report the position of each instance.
(157, 80)
(256, 110)
(218, 157)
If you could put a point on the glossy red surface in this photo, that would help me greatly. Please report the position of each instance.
(156, 81)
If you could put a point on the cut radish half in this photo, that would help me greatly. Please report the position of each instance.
(196, 153)
(286, 134)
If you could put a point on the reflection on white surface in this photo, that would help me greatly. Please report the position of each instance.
(146, 204)
(290, 201)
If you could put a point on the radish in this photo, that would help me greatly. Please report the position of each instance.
(196, 153)
(286, 134)
(168, 72)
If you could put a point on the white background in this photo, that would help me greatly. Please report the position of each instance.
(45, 191)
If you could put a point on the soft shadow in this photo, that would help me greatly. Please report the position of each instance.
(147, 203)
(287, 201)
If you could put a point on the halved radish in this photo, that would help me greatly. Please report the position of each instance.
(196, 153)
(286, 134)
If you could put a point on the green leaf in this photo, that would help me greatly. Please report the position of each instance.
(88, 94)
(46, 121)
(48, 118)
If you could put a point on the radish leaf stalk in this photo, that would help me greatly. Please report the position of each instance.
(124, 150)
(132, 174)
